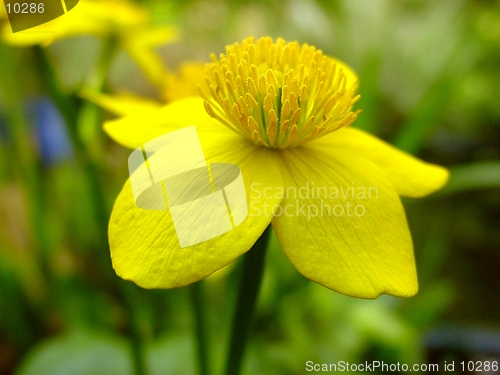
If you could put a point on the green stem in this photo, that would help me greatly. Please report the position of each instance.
(198, 303)
(88, 133)
(87, 116)
(25, 159)
(251, 278)
(138, 354)
(74, 118)
(416, 130)
(66, 106)
(129, 293)
(90, 115)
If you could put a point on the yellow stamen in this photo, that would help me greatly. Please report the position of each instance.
(279, 94)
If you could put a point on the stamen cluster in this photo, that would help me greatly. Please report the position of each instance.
(279, 94)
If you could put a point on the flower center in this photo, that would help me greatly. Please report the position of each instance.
(279, 94)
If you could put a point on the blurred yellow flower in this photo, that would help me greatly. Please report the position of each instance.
(183, 84)
(121, 19)
(280, 111)
(3, 13)
(174, 86)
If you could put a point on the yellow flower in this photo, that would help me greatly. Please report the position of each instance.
(3, 14)
(280, 111)
(127, 22)
(185, 83)
(174, 86)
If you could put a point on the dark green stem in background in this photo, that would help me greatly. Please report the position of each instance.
(74, 116)
(25, 162)
(251, 278)
(199, 314)
(66, 106)
(129, 292)
(87, 116)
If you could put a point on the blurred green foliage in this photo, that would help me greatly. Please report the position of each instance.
(429, 74)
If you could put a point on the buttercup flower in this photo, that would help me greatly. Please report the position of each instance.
(121, 19)
(281, 112)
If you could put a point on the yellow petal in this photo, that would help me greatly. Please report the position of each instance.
(410, 176)
(148, 62)
(135, 130)
(144, 244)
(344, 227)
(3, 13)
(121, 104)
(88, 17)
(140, 46)
(125, 20)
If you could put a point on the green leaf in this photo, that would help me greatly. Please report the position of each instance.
(474, 176)
(172, 355)
(79, 353)
(424, 118)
